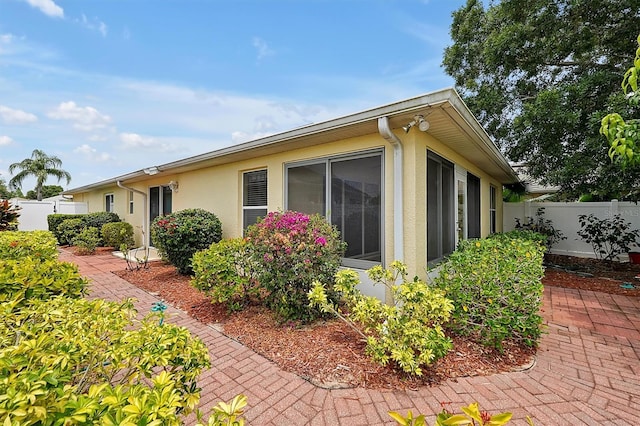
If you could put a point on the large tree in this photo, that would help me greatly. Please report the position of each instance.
(40, 166)
(540, 75)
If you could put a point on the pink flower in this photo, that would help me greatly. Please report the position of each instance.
(321, 241)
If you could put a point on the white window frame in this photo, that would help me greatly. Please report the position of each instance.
(130, 202)
(493, 214)
(245, 207)
(109, 202)
(327, 162)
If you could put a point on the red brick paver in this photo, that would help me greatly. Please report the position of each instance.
(587, 369)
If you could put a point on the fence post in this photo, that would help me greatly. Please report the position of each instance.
(527, 210)
(614, 208)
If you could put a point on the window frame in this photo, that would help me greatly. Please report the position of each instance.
(264, 207)
(440, 213)
(109, 202)
(130, 202)
(493, 214)
(327, 161)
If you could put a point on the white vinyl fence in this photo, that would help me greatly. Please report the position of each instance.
(33, 213)
(564, 216)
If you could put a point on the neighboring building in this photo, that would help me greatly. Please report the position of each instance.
(403, 181)
(534, 190)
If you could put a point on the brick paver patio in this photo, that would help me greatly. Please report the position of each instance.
(587, 369)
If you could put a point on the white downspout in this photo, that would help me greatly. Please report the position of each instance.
(398, 187)
(145, 224)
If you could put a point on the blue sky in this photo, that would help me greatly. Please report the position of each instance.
(113, 86)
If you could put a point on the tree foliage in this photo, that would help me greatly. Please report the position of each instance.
(540, 75)
(624, 136)
(47, 191)
(40, 166)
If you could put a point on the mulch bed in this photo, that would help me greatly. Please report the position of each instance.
(330, 354)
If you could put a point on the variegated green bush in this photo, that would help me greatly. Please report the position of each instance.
(496, 287)
(408, 333)
(17, 245)
(73, 361)
(34, 279)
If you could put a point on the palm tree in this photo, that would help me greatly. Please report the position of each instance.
(40, 166)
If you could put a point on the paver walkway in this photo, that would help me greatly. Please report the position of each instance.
(587, 370)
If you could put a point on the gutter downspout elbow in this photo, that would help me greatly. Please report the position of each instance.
(145, 225)
(398, 187)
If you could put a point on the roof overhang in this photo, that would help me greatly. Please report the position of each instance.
(451, 122)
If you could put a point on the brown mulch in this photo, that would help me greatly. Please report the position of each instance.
(332, 355)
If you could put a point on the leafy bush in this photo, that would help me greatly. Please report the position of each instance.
(30, 278)
(98, 219)
(8, 216)
(69, 361)
(115, 234)
(87, 240)
(608, 237)
(292, 251)
(226, 273)
(16, 245)
(469, 416)
(496, 287)
(408, 333)
(68, 230)
(177, 236)
(542, 226)
(54, 220)
(522, 234)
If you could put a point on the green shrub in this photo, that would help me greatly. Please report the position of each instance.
(87, 240)
(409, 333)
(293, 250)
(496, 287)
(542, 226)
(8, 216)
(67, 361)
(608, 237)
(226, 273)
(115, 234)
(30, 278)
(98, 219)
(16, 245)
(177, 236)
(68, 230)
(54, 220)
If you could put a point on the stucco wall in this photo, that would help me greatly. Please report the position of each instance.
(219, 189)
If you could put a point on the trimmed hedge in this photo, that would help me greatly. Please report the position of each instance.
(95, 220)
(115, 234)
(178, 236)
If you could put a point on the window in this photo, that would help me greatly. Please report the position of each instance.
(492, 209)
(473, 206)
(254, 197)
(108, 203)
(348, 191)
(130, 202)
(440, 207)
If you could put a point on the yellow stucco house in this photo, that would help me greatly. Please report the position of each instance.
(402, 181)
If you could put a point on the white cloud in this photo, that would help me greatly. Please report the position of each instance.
(92, 153)
(262, 47)
(16, 116)
(94, 24)
(5, 140)
(136, 141)
(48, 7)
(84, 118)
